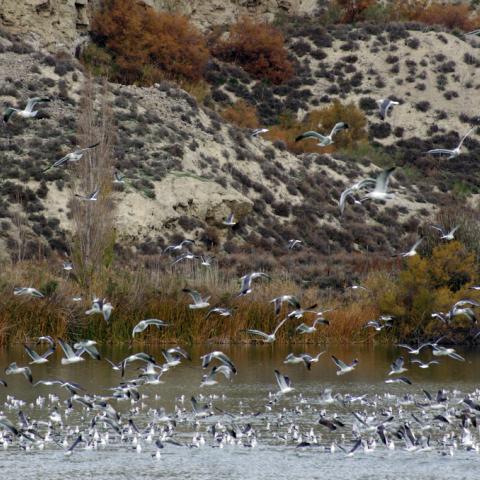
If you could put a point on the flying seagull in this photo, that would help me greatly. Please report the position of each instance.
(179, 246)
(412, 252)
(141, 326)
(267, 338)
(14, 369)
(323, 140)
(209, 357)
(343, 367)
(284, 383)
(70, 355)
(198, 300)
(304, 358)
(246, 280)
(425, 365)
(446, 235)
(397, 366)
(380, 192)
(349, 192)
(36, 358)
(28, 291)
(294, 243)
(259, 131)
(451, 153)
(92, 197)
(303, 328)
(28, 112)
(230, 220)
(384, 105)
(71, 157)
(102, 307)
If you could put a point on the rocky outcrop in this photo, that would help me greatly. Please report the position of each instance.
(50, 23)
(207, 13)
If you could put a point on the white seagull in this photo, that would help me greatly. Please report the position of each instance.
(141, 326)
(71, 157)
(28, 291)
(323, 140)
(101, 307)
(246, 280)
(28, 112)
(343, 367)
(199, 301)
(267, 338)
(447, 235)
(380, 192)
(451, 153)
(284, 383)
(412, 252)
(384, 105)
(92, 197)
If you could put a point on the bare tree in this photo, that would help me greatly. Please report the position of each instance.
(93, 220)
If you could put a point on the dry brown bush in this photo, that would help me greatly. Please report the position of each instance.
(242, 115)
(149, 46)
(259, 48)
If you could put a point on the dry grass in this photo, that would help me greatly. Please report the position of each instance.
(156, 293)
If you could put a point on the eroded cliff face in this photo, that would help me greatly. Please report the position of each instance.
(49, 23)
(63, 23)
(215, 12)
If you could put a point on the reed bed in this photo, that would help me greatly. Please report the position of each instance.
(157, 293)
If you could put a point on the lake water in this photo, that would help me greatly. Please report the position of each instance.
(267, 432)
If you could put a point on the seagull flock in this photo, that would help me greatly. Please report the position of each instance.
(407, 420)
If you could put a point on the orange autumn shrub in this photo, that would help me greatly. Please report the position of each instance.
(448, 15)
(241, 114)
(259, 48)
(148, 46)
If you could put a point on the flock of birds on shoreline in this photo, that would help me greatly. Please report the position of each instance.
(444, 422)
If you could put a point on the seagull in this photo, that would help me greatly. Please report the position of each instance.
(445, 234)
(425, 365)
(384, 105)
(70, 355)
(93, 197)
(303, 328)
(207, 359)
(284, 383)
(246, 280)
(173, 356)
(68, 266)
(179, 246)
(259, 131)
(412, 252)
(439, 351)
(206, 261)
(141, 356)
(209, 379)
(404, 380)
(397, 366)
(230, 220)
(118, 178)
(141, 326)
(343, 367)
(414, 351)
(324, 140)
(71, 157)
(451, 153)
(303, 358)
(101, 306)
(381, 186)
(30, 291)
(279, 301)
(28, 112)
(377, 325)
(267, 338)
(223, 312)
(14, 369)
(36, 358)
(184, 256)
(199, 301)
(294, 243)
(348, 192)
